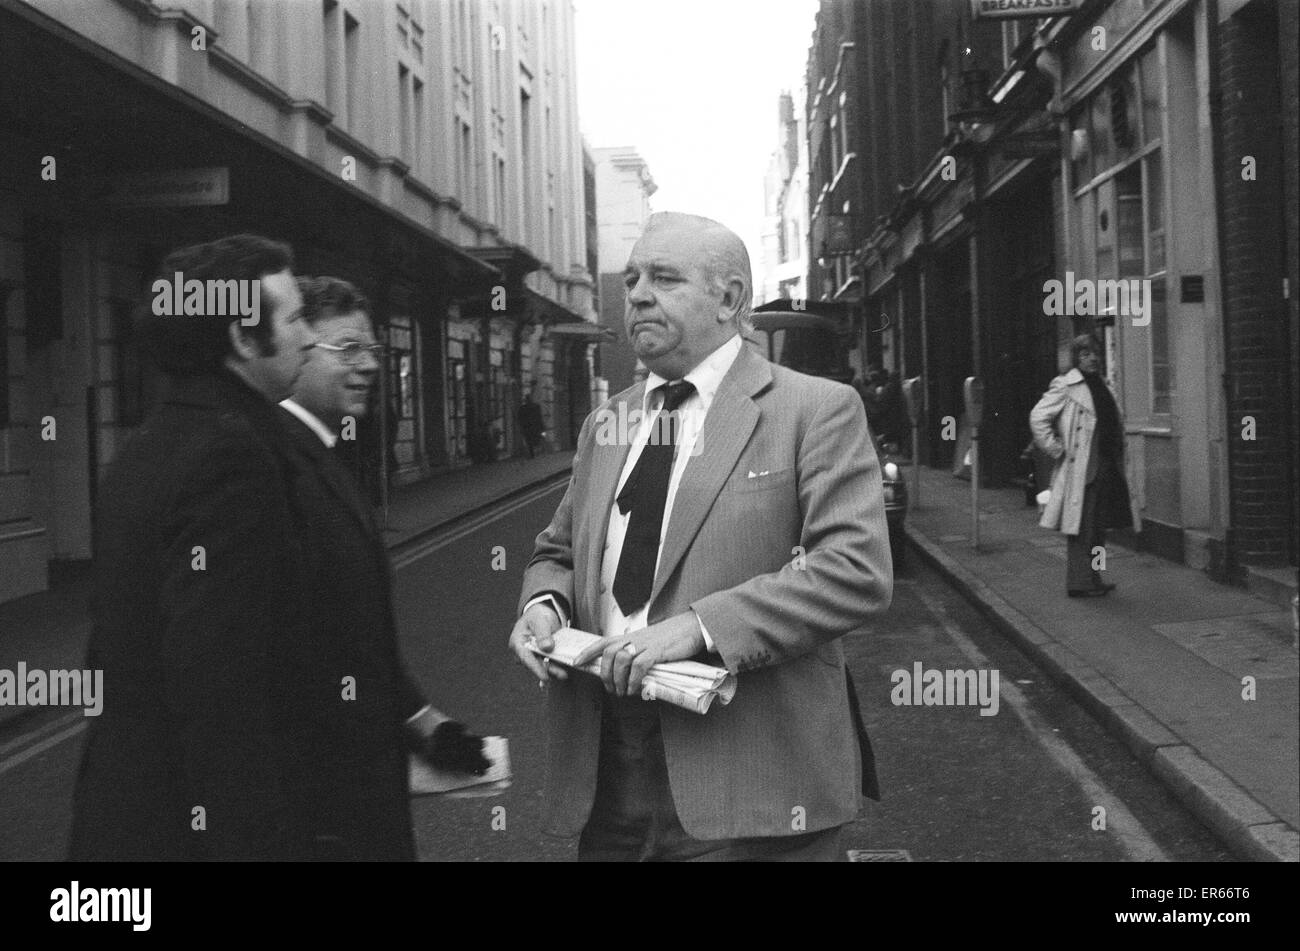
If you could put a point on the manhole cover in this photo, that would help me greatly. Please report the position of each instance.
(879, 855)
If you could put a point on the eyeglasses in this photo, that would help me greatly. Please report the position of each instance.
(350, 353)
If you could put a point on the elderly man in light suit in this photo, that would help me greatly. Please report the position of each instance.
(755, 542)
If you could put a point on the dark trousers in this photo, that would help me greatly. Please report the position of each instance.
(634, 818)
(1079, 575)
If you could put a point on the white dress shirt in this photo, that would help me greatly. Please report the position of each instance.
(327, 436)
(706, 377)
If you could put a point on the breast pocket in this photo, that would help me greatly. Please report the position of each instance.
(759, 480)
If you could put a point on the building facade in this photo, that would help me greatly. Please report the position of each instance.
(427, 151)
(785, 213)
(1115, 170)
(624, 186)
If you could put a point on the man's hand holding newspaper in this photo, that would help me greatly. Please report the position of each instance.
(687, 684)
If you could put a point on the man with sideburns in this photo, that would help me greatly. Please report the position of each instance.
(198, 591)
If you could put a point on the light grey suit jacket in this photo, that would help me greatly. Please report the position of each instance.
(777, 539)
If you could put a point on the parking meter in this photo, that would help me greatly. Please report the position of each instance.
(973, 394)
(914, 397)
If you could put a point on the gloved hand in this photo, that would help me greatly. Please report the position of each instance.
(451, 747)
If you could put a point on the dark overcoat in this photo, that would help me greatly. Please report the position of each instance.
(234, 592)
(360, 692)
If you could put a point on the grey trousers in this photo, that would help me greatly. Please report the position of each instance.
(634, 818)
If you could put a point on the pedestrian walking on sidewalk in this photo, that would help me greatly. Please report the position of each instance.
(531, 423)
(1078, 423)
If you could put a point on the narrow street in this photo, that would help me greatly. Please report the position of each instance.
(1023, 784)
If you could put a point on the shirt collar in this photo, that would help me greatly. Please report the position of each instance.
(312, 422)
(707, 375)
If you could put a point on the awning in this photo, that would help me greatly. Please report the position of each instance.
(583, 331)
(834, 309)
(772, 321)
(550, 312)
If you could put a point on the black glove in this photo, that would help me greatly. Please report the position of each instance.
(450, 747)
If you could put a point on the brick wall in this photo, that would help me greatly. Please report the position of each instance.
(1261, 375)
(1287, 32)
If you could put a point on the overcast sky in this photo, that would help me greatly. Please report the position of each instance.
(693, 86)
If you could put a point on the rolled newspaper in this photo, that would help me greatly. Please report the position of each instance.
(683, 683)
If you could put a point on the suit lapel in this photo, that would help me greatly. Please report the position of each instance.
(727, 428)
(330, 469)
(609, 455)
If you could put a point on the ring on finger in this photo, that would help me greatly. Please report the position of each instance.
(631, 649)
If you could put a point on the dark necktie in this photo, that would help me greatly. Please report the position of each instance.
(645, 493)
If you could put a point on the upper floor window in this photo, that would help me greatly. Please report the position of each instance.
(410, 33)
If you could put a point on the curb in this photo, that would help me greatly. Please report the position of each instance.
(1245, 826)
(423, 534)
(17, 719)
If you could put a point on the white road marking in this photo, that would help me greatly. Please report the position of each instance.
(19, 758)
(443, 540)
(36, 734)
(423, 551)
(1133, 838)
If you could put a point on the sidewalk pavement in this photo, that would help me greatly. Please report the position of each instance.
(49, 630)
(1161, 661)
(423, 506)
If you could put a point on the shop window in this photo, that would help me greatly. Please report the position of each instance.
(403, 375)
(1162, 370)
(458, 393)
(43, 267)
(497, 397)
(1100, 137)
(1079, 148)
(1155, 207)
(1124, 122)
(1153, 101)
(135, 378)
(1128, 211)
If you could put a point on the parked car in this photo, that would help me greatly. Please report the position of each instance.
(815, 340)
(891, 466)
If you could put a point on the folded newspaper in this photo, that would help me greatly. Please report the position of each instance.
(683, 683)
(429, 781)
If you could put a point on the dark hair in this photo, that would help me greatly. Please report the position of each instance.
(199, 344)
(1083, 342)
(324, 297)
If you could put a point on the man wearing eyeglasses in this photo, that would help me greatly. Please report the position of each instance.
(366, 712)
